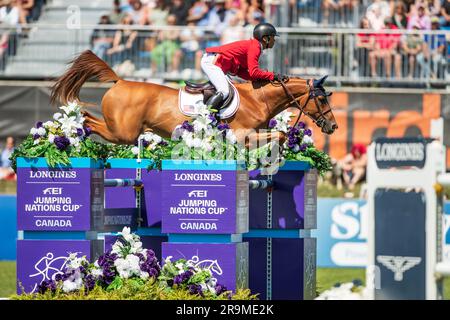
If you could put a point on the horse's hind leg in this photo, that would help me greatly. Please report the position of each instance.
(99, 127)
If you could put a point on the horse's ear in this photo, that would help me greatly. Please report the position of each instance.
(320, 82)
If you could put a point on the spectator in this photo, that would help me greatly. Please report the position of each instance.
(164, 54)
(101, 39)
(354, 166)
(328, 5)
(6, 172)
(399, 18)
(117, 14)
(433, 7)
(255, 6)
(26, 7)
(234, 32)
(10, 16)
(445, 14)
(190, 48)
(198, 12)
(365, 44)
(138, 14)
(180, 11)
(386, 48)
(434, 51)
(128, 7)
(411, 47)
(157, 16)
(420, 19)
(377, 13)
(219, 17)
(123, 43)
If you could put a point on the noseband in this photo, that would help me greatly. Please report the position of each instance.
(314, 93)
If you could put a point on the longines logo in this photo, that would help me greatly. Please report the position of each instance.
(398, 264)
(400, 152)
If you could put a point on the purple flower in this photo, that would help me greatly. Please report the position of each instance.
(303, 146)
(58, 277)
(187, 126)
(145, 143)
(272, 123)
(212, 118)
(47, 285)
(178, 279)
(80, 132)
(87, 131)
(163, 143)
(195, 289)
(301, 125)
(294, 131)
(89, 282)
(61, 142)
(39, 124)
(308, 132)
(153, 272)
(36, 136)
(220, 289)
(223, 126)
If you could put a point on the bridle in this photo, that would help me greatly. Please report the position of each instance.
(314, 93)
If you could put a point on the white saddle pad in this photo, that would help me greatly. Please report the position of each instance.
(188, 103)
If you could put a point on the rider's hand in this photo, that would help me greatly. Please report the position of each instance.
(279, 77)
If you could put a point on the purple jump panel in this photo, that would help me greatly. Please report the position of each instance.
(204, 201)
(40, 260)
(294, 200)
(293, 268)
(58, 199)
(228, 262)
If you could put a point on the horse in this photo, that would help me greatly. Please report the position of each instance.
(130, 108)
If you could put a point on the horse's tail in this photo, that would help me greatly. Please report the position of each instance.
(86, 66)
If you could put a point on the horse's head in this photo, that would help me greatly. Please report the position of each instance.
(313, 102)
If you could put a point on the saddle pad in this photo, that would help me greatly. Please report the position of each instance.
(188, 102)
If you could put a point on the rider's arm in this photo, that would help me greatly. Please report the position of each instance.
(243, 73)
(253, 65)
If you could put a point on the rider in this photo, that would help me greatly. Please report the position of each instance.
(240, 58)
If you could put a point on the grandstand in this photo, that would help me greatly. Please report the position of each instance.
(319, 37)
(364, 44)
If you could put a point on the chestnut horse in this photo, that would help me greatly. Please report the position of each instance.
(129, 108)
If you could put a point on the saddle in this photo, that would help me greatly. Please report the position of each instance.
(207, 89)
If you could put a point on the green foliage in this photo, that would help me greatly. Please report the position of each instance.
(316, 158)
(133, 289)
(55, 157)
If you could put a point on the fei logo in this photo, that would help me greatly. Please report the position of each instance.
(398, 264)
(52, 191)
(198, 194)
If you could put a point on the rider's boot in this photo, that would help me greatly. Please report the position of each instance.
(216, 101)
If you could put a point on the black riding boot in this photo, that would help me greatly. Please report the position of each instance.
(215, 101)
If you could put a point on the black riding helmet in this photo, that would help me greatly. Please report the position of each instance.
(264, 29)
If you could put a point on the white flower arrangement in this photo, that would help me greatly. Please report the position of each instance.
(66, 129)
(346, 291)
(74, 279)
(204, 135)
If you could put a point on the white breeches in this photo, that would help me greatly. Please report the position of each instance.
(215, 74)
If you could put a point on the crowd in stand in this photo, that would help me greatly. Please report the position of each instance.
(401, 53)
(233, 20)
(14, 14)
(224, 20)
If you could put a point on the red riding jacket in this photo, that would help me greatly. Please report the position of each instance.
(241, 58)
